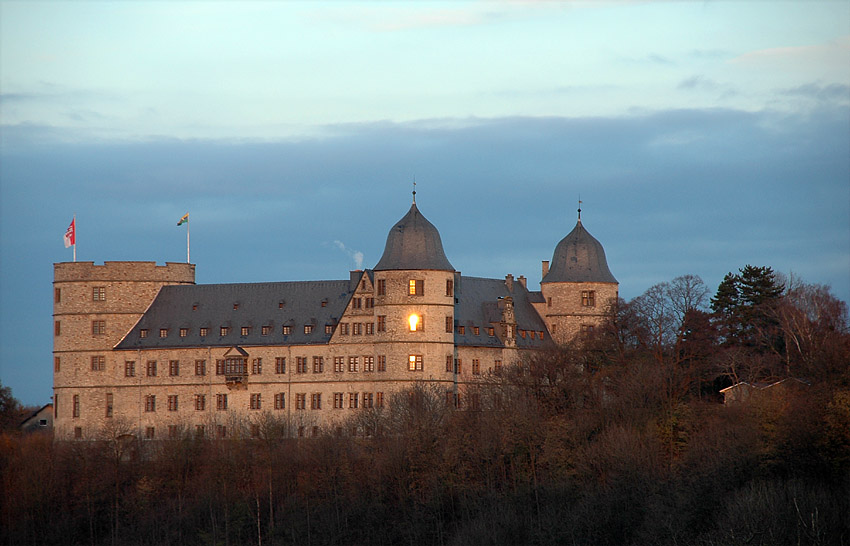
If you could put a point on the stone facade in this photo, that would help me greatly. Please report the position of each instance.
(141, 348)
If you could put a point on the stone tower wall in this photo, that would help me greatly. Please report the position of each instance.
(565, 313)
(94, 307)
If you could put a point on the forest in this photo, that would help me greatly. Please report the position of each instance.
(620, 438)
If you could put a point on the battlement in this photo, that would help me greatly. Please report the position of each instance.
(171, 272)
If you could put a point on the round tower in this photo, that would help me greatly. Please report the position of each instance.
(94, 306)
(414, 292)
(578, 288)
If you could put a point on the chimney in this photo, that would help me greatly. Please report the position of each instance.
(545, 268)
(354, 279)
(509, 282)
(521, 280)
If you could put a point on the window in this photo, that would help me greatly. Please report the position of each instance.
(236, 365)
(353, 400)
(300, 432)
(491, 332)
(75, 411)
(416, 287)
(98, 293)
(200, 402)
(497, 366)
(98, 327)
(109, 400)
(57, 295)
(318, 364)
(143, 333)
(382, 363)
(221, 431)
(151, 368)
(219, 366)
(338, 400)
(172, 431)
(368, 400)
(266, 330)
(194, 307)
(588, 298)
(300, 364)
(316, 401)
(98, 363)
(256, 401)
(416, 322)
(353, 364)
(476, 330)
(245, 330)
(343, 329)
(325, 302)
(449, 363)
(221, 402)
(279, 401)
(368, 363)
(450, 287)
(287, 330)
(414, 363)
(204, 333)
(150, 433)
(78, 432)
(280, 365)
(449, 324)
(200, 431)
(370, 328)
(329, 328)
(172, 402)
(356, 303)
(339, 364)
(379, 399)
(370, 302)
(200, 367)
(549, 301)
(56, 364)
(235, 306)
(130, 368)
(257, 366)
(357, 328)
(461, 330)
(173, 368)
(163, 332)
(300, 401)
(150, 403)
(586, 328)
(184, 332)
(57, 328)
(458, 366)
(223, 331)
(382, 323)
(382, 287)
(553, 327)
(308, 328)
(476, 367)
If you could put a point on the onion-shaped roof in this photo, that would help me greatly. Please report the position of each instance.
(579, 258)
(414, 243)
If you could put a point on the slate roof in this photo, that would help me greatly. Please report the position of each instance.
(579, 258)
(256, 305)
(414, 243)
(478, 305)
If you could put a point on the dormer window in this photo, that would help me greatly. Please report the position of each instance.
(204, 332)
(143, 333)
(235, 306)
(245, 330)
(224, 330)
(280, 304)
(287, 330)
(324, 303)
(184, 332)
(308, 328)
(266, 330)
(163, 332)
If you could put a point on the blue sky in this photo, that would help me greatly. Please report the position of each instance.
(701, 136)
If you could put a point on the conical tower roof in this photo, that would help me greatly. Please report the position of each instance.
(414, 243)
(579, 257)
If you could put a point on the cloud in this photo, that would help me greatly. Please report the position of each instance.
(819, 92)
(829, 54)
(697, 82)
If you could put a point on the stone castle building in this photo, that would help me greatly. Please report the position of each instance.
(143, 344)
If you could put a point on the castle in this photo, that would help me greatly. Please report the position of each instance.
(143, 345)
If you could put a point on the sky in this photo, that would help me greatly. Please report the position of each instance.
(700, 137)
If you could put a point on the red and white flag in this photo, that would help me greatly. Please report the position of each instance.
(71, 234)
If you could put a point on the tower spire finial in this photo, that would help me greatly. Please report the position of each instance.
(414, 189)
(579, 208)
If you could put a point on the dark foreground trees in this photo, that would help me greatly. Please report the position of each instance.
(618, 440)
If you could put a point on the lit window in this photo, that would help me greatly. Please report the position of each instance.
(416, 287)
(308, 328)
(414, 363)
(475, 330)
(414, 322)
(491, 332)
(98, 293)
(163, 332)
(223, 331)
(204, 332)
(287, 330)
(245, 331)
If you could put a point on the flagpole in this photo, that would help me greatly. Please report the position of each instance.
(75, 236)
(187, 241)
